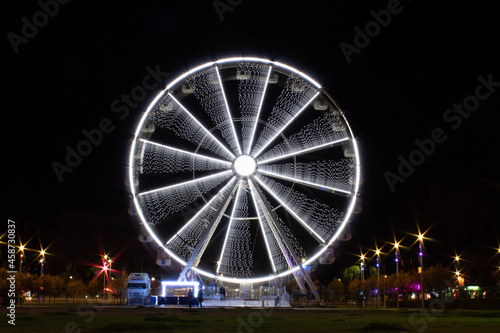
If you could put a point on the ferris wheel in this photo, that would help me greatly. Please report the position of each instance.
(244, 170)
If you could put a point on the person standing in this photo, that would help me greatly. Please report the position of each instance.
(200, 298)
(222, 292)
(190, 298)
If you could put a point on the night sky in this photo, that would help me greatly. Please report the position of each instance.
(419, 76)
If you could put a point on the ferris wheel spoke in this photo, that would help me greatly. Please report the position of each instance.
(252, 90)
(174, 116)
(159, 204)
(283, 151)
(235, 257)
(195, 254)
(234, 139)
(317, 218)
(209, 90)
(316, 175)
(203, 214)
(194, 182)
(273, 252)
(199, 229)
(294, 99)
(322, 133)
(286, 248)
(159, 158)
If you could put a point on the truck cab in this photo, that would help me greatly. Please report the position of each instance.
(138, 289)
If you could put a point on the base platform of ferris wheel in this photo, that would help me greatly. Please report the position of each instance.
(239, 303)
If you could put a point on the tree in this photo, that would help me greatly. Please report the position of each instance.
(354, 288)
(435, 278)
(408, 283)
(389, 284)
(117, 284)
(58, 287)
(46, 286)
(75, 288)
(27, 282)
(339, 289)
(95, 287)
(350, 273)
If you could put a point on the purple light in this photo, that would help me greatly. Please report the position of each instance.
(397, 260)
(420, 254)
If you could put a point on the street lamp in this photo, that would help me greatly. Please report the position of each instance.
(42, 261)
(362, 264)
(21, 256)
(104, 272)
(377, 264)
(457, 262)
(396, 260)
(110, 261)
(106, 266)
(421, 255)
(459, 278)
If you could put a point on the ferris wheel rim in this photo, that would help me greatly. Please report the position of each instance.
(272, 64)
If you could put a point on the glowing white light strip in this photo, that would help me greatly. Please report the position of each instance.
(229, 227)
(240, 280)
(131, 156)
(239, 59)
(274, 63)
(290, 210)
(201, 126)
(197, 156)
(258, 110)
(252, 190)
(166, 284)
(230, 118)
(188, 73)
(153, 235)
(143, 151)
(286, 125)
(188, 182)
(303, 182)
(202, 210)
(351, 206)
(303, 151)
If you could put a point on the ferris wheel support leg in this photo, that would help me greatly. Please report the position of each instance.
(286, 248)
(300, 282)
(310, 283)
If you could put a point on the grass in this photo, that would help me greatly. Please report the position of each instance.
(123, 320)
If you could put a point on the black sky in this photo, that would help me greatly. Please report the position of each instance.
(394, 91)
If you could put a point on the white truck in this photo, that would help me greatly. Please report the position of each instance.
(138, 289)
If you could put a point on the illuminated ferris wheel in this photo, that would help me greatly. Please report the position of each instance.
(244, 170)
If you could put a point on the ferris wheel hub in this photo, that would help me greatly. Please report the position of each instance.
(244, 165)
